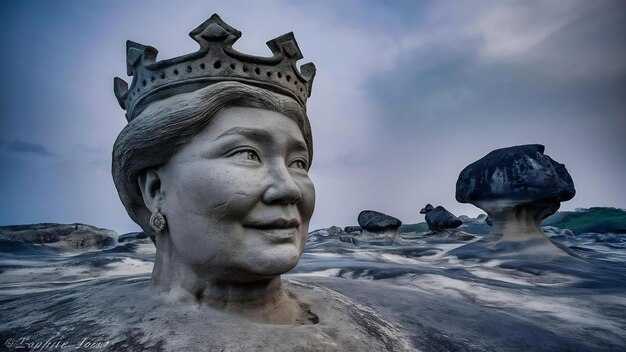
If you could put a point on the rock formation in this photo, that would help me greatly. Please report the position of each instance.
(134, 237)
(439, 218)
(517, 187)
(351, 229)
(68, 237)
(377, 223)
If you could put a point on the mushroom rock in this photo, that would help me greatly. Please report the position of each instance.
(439, 218)
(517, 187)
(380, 224)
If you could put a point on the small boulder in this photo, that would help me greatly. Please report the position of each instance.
(374, 221)
(439, 218)
(378, 224)
(334, 230)
(351, 229)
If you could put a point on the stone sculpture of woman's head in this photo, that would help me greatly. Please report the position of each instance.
(213, 166)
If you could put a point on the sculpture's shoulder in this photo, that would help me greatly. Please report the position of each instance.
(127, 314)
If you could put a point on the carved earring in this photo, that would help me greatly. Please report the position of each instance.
(157, 222)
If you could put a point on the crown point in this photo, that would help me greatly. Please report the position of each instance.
(308, 70)
(286, 44)
(136, 53)
(156, 80)
(290, 48)
(120, 87)
(214, 32)
(214, 29)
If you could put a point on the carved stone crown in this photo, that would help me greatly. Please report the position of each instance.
(215, 61)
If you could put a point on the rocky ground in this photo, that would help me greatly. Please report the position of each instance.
(448, 290)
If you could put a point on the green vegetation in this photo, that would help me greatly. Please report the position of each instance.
(597, 219)
(420, 227)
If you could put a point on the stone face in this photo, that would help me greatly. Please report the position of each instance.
(522, 173)
(69, 237)
(374, 221)
(225, 238)
(517, 187)
(439, 218)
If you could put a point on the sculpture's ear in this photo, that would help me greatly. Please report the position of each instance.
(150, 186)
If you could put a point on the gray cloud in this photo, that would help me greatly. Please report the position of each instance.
(19, 146)
(407, 93)
(449, 102)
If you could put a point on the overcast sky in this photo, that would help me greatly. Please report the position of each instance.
(406, 95)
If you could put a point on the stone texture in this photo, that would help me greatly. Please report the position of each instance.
(439, 218)
(134, 237)
(374, 221)
(68, 237)
(517, 187)
(523, 173)
(351, 229)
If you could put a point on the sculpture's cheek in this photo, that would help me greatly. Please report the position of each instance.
(307, 203)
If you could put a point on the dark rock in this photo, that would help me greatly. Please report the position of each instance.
(334, 230)
(350, 229)
(521, 172)
(371, 220)
(133, 237)
(464, 236)
(439, 218)
(518, 187)
(70, 237)
(426, 209)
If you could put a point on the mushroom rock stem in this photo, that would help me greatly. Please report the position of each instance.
(517, 222)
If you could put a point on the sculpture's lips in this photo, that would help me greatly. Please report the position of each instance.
(278, 230)
(276, 224)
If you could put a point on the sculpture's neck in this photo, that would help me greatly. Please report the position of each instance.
(262, 300)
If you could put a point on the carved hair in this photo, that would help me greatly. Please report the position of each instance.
(154, 136)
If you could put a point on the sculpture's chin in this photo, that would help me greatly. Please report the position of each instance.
(276, 260)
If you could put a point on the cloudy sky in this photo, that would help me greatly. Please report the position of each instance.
(407, 94)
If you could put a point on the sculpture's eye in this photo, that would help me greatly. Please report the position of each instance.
(300, 164)
(247, 154)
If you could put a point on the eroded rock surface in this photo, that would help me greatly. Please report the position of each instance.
(68, 237)
(438, 218)
(518, 187)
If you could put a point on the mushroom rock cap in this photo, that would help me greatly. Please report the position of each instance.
(522, 173)
(374, 221)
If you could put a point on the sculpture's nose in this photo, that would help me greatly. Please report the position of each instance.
(281, 189)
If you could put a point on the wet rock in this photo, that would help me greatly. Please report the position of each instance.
(68, 237)
(439, 218)
(523, 173)
(376, 224)
(374, 221)
(517, 187)
(134, 237)
(351, 229)
(334, 230)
